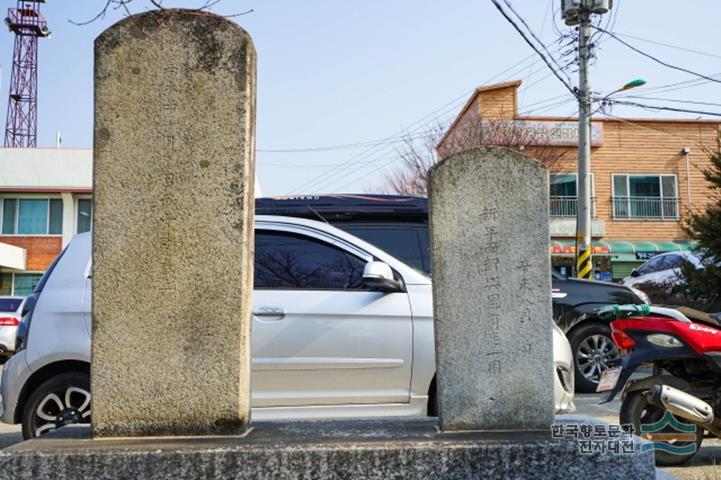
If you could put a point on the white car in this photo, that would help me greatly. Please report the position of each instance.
(325, 343)
(662, 272)
(10, 308)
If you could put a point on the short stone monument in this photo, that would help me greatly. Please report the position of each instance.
(173, 226)
(492, 291)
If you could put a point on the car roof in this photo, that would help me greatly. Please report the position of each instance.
(345, 206)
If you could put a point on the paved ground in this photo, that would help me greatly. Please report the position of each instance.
(706, 465)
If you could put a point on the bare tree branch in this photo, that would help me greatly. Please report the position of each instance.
(417, 156)
(116, 4)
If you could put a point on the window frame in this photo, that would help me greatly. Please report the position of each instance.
(18, 198)
(662, 218)
(575, 174)
(76, 209)
(12, 281)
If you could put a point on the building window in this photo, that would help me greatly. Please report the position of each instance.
(564, 195)
(85, 215)
(645, 197)
(32, 216)
(20, 284)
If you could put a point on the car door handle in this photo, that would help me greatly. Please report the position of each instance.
(270, 313)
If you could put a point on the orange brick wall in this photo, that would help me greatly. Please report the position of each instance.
(648, 147)
(634, 147)
(41, 250)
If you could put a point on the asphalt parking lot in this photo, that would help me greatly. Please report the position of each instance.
(706, 465)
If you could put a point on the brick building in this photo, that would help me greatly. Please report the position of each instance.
(45, 199)
(647, 174)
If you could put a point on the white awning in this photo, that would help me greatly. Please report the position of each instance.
(12, 256)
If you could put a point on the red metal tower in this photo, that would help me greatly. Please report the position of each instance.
(28, 25)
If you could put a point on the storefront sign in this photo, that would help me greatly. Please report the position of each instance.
(646, 255)
(567, 228)
(561, 134)
(571, 249)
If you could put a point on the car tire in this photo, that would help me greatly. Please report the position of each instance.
(635, 408)
(61, 400)
(593, 352)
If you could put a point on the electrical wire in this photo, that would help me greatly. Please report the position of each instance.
(347, 146)
(327, 176)
(674, 100)
(661, 62)
(662, 44)
(535, 37)
(534, 47)
(660, 107)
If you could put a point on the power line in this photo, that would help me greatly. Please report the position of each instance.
(674, 100)
(534, 47)
(325, 177)
(384, 166)
(655, 42)
(661, 107)
(661, 62)
(535, 37)
(347, 146)
(328, 175)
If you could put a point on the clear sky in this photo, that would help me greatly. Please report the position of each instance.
(345, 72)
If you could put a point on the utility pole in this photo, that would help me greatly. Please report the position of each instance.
(584, 263)
(578, 12)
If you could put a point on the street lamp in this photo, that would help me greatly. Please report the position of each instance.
(639, 82)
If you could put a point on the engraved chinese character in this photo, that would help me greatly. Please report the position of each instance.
(494, 300)
(494, 367)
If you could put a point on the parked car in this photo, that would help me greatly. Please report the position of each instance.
(661, 276)
(9, 321)
(399, 225)
(308, 276)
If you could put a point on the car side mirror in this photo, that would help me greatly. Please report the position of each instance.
(379, 275)
(634, 273)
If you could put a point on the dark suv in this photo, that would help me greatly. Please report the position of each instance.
(399, 225)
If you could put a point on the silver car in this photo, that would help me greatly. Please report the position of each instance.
(10, 308)
(334, 347)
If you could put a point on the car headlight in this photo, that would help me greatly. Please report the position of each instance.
(641, 295)
(663, 340)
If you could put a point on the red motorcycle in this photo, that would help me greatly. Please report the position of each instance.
(680, 401)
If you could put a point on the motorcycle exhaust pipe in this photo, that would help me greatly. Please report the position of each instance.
(685, 406)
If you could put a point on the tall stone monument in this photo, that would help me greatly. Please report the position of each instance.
(492, 291)
(173, 225)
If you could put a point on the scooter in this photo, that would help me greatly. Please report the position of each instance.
(681, 399)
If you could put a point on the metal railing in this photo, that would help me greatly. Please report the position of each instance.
(566, 206)
(657, 208)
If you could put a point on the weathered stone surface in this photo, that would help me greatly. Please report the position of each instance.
(404, 449)
(173, 225)
(492, 291)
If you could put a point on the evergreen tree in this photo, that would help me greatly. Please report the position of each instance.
(704, 285)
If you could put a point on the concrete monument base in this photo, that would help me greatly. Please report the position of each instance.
(362, 449)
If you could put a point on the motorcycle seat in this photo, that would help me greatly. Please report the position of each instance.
(710, 319)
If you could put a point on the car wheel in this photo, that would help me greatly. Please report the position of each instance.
(62, 400)
(593, 353)
(637, 411)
